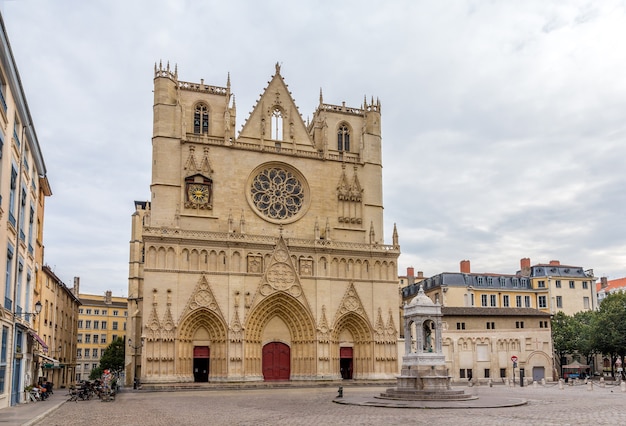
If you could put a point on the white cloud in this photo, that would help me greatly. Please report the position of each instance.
(503, 124)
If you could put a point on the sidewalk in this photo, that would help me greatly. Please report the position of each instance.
(29, 414)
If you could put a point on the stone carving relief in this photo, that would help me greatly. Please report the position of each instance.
(306, 267)
(255, 263)
(281, 274)
(202, 298)
(351, 303)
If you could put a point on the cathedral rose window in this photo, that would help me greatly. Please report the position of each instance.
(278, 193)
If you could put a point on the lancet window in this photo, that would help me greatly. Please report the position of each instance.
(277, 124)
(343, 138)
(201, 119)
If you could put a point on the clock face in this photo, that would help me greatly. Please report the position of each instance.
(198, 193)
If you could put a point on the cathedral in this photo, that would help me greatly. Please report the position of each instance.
(260, 255)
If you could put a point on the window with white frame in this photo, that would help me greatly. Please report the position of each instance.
(542, 302)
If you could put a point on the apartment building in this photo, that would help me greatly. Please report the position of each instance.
(23, 188)
(101, 320)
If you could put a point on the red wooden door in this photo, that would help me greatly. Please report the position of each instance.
(276, 361)
(345, 363)
(201, 360)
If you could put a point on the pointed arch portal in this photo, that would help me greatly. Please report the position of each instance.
(301, 327)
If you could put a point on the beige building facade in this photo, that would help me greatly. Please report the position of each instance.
(23, 188)
(479, 343)
(57, 327)
(489, 318)
(101, 320)
(261, 255)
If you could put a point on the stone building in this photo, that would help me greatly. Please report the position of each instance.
(101, 320)
(479, 343)
(260, 255)
(488, 318)
(549, 287)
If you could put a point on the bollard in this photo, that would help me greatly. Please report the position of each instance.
(490, 383)
(622, 386)
(340, 390)
(561, 384)
(602, 384)
(535, 384)
(543, 382)
(589, 385)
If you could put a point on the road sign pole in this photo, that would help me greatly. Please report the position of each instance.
(514, 360)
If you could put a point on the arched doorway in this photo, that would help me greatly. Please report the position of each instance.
(201, 363)
(276, 361)
(352, 336)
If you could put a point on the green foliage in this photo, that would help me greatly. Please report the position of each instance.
(610, 325)
(113, 357)
(589, 332)
(562, 335)
(583, 327)
(96, 373)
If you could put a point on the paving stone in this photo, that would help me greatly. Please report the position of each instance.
(547, 405)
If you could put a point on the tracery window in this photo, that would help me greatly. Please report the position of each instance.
(277, 193)
(201, 119)
(343, 138)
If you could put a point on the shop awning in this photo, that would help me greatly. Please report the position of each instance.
(51, 362)
(40, 340)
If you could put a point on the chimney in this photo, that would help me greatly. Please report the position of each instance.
(554, 263)
(525, 267)
(76, 288)
(604, 282)
(420, 274)
(465, 266)
(410, 272)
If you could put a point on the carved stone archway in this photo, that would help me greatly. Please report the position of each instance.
(362, 344)
(213, 332)
(301, 326)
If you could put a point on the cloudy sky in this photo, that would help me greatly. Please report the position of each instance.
(503, 122)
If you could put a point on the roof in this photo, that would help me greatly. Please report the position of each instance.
(492, 312)
(612, 285)
(460, 279)
(548, 270)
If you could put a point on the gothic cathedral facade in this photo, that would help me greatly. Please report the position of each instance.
(261, 254)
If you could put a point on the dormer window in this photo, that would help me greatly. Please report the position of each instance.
(201, 119)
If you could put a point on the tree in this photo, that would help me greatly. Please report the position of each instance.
(562, 336)
(582, 326)
(609, 330)
(112, 359)
(96, 373)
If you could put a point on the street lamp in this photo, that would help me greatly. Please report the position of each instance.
(130, 344)
(37, 310)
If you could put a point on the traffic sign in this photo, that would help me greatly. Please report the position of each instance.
(514, 358)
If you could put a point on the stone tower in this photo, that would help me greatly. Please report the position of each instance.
(261, 256)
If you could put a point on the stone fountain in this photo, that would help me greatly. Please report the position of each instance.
(424, 374)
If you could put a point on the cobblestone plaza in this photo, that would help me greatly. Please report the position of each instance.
(547, 405)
